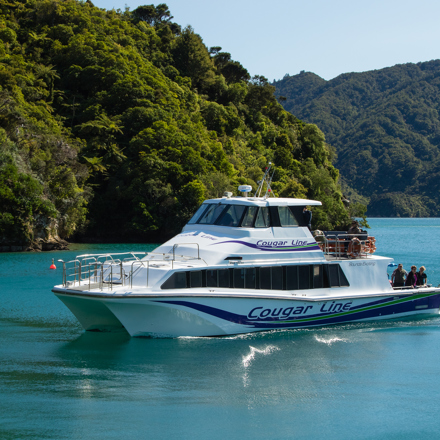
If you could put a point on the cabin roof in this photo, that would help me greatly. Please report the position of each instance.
(260, 201)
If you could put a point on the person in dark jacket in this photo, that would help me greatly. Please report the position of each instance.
(354, 228)
(422, 278)
(398, 276)
(307, 214)
(411, 279)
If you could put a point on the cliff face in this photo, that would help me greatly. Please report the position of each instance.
(45, 238)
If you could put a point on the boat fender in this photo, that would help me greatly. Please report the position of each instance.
(372, 246)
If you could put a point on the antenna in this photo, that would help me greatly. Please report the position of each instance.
(268, 188)
(266, 180)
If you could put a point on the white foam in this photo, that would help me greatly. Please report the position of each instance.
(329, 341)
(247, 360)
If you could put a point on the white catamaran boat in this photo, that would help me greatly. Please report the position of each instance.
(241, 264)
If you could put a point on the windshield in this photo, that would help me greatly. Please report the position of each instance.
(211, 214)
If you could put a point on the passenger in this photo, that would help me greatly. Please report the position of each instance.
(422, 278)
(411, 279)
(307, 214)
(398, 276)
(354, 228)
(353, 232)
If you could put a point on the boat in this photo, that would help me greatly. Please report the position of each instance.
(242, 264)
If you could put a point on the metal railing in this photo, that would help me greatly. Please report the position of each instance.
(343, 245)
(105, 271)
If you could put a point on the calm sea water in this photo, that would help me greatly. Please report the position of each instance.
(363, 381)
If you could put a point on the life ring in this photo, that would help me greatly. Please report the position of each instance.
(354, 248)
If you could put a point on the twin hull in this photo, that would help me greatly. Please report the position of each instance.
(199, 315)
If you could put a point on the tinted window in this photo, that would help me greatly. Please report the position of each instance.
(342, 278)
(318, 277)
(199, 212)
(239, 278)
(176, 281)
(223, 278)
(263, 219)
(196, 278)
(333, 275)
(275, 277)
(304, 275)
(248, 220)
(211, 278)
(232, 216)
(265, 278)
(212, 214)
(292, 277)
(249, 278)
(286, 216)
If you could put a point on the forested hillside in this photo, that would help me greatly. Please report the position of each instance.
(385, 126)
(115, 125)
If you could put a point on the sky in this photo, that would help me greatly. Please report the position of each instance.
(327, 37)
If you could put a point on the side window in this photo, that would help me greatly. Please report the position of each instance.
(196, 278)
(211, 215)
(336, 276)
(304, 277)
(249, 278)
(217, 278)
(271, 278)
(299, 277)
(263, 219)
(223, 278)
(277, 277)
(177, 280)
(343, 282)
(211, 278)
(318, 276)
(333, 275)
(239, 278)
(286, 217)
(248, 219)
(265, 278)
(292, 277)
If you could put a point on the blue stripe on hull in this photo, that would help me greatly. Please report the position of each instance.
(380, 309)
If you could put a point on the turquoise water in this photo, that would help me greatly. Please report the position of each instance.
(363, 381)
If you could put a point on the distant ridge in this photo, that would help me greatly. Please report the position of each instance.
(385, 126)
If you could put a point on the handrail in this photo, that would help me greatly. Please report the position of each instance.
(88, 269)
(338, 244)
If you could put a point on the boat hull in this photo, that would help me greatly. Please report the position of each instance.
(220, 315)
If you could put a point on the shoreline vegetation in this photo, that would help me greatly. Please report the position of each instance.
(385, 127)
(117, 125)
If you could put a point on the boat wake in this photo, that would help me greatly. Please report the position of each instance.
(329, 341)
(247, 360)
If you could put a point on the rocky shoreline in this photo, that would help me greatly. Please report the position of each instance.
(38, 245)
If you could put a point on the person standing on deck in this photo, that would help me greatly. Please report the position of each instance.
(398, 276)
(307, 214)
(422, 278)
(411, 279)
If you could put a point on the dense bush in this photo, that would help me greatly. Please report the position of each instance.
(116, 125)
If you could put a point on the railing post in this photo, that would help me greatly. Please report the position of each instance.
(122, 280)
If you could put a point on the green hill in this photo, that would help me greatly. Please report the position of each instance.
(385, 127)
(116, 125)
